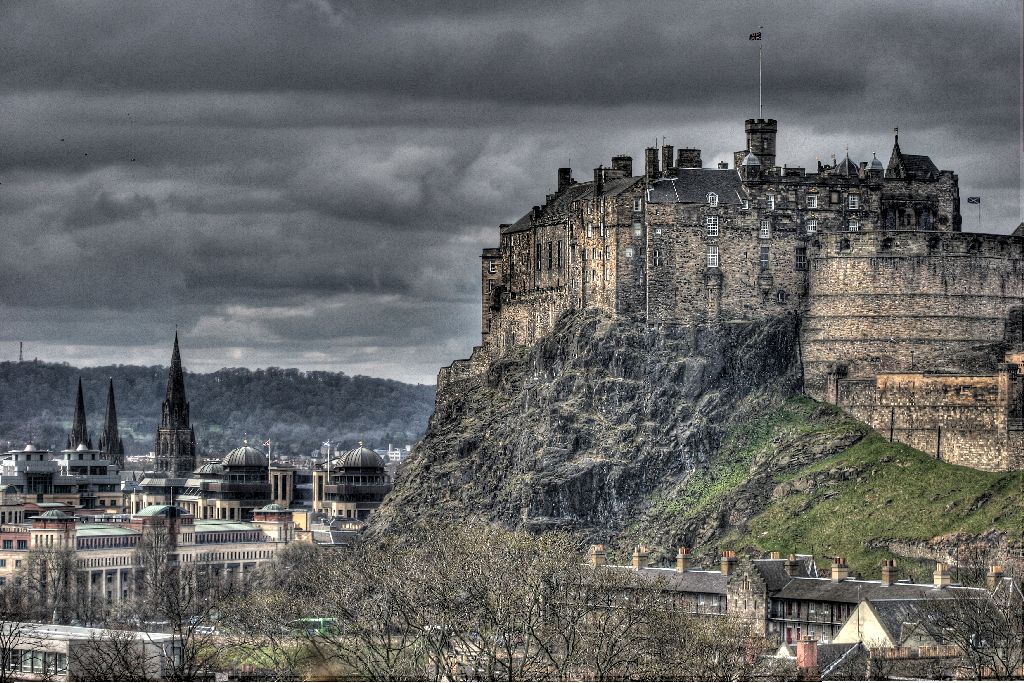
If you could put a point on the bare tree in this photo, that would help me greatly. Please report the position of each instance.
(113, 656)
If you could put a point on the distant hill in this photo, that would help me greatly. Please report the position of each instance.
(296, 410)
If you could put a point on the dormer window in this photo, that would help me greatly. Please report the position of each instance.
(712, 199)
(812, 201)
(853, 202)
(745, 204)
(638, 204)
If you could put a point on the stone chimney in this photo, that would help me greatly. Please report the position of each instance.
(598, 180)
(640, 557)
(791, 565)
(598, 557)
(682, 559)
(775, 555)
(807, 659)
(623, 163)
(728, 562)
(651, 163)
(994, 576)
(840, 571)
(666, 158)
(941, 575)
(888, 572)
(723, 165)
(564, 178)
(689, 158)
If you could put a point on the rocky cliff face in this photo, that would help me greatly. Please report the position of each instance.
(682, 436)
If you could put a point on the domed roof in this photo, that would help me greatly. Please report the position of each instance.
(209, 468)
(246, 456)
(273, 507)
(876, 165)
(11, 489)
(81, 447)
(751, 160)
(360, 456)
(29, 448)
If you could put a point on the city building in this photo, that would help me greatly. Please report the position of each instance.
(351, 485)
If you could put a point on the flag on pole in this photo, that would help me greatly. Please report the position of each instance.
(266, 444)
(974, 200)
(755, 36)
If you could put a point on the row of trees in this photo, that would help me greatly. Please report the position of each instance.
(463, 602)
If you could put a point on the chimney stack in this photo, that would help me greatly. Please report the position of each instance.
(775, 555)
(807, 659)
(598, 557)
(651, 163)
(728, 562)
(623, 163)
(840, 571)
(689, 158)
(598, 180)
(640, 557)
(723, 165)
(682, 559)
(666, 158)
(994, 576)
(888, 572)
(564, 178)
(791, 565)
(941, 575)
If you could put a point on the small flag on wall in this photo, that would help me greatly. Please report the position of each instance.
(974, 200)
(755, 36)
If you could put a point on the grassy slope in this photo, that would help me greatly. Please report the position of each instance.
(870, 490)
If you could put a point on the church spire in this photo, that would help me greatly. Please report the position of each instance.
(175, 409)
(110, 442)
(895, 169)
(175, 446)
(79, 433)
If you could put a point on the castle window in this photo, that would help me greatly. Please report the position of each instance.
(607, 253)
(853, 226)
(594, 253)
(853, 202)
(550, 255)
(638, 203)
(540, 255)
(492, 267)
(657, 257)
(590, 229)
(801, 258)
(712, 256)
(638, 229)
(812, 226)
(559, 255)
(629, 252)
(657, 231)
(576, 205)
(712, 199)
(744, 204)
(765, 231)
(780, 296)
(771, 202)
(765, 257)
(812, 201)
(833, 197)
(844, 244)
(712, 224)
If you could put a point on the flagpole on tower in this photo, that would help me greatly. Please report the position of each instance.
(759, 100)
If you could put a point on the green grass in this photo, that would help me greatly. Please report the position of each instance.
(898, 493)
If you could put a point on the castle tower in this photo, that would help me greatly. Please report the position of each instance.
(175, 438)
(761, 140)
(110, 440)
(79, 434)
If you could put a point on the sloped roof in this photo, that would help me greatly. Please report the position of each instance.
(562, 202)
(774, 571)
(846, 167)
(853, 590)
(692, 185)
(919, 166)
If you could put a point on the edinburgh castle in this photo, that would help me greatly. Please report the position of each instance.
(905, 321)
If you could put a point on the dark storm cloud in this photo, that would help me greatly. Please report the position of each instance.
(310, 182)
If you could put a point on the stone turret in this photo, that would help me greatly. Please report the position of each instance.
(761, 140)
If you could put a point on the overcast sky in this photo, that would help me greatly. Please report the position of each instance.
(309, 183)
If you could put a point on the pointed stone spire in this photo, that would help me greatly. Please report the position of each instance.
(895, 168)
(110, 442)
(79, 433)
(175, 439)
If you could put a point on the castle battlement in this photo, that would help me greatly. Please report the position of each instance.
(871, 256)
